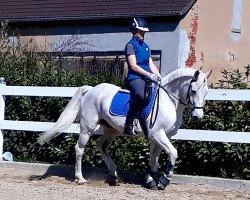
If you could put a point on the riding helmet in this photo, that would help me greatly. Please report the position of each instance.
(140, 24)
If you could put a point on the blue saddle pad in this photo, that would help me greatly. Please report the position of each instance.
(120, 104)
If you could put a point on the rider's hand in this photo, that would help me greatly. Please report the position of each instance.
(154, 78)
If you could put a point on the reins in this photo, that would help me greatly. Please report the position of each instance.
(170, 94)
(152, 122)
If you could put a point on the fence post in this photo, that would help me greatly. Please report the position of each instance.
(2, 110)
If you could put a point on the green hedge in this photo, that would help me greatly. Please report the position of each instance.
(21, 66)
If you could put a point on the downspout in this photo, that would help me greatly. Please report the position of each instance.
(236, 29)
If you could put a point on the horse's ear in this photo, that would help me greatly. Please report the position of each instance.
(196, 74)
(208, 73)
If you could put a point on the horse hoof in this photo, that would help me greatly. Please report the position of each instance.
(80, 182)
(112, 180)
(152, 185)
(163, 182)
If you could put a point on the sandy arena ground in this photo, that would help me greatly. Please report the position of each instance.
(25, 183)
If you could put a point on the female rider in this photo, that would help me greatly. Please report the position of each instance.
(140, 69)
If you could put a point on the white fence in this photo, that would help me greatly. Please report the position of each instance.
(183, 134)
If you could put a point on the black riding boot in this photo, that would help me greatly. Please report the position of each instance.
(129, 126)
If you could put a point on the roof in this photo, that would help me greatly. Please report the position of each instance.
(50, 10)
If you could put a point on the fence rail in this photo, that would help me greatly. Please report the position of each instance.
(182, 134)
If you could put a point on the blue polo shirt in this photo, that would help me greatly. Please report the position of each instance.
(140, 49)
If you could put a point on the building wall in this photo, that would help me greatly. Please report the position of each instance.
(219, 32)
(163, 37)
(213, 35)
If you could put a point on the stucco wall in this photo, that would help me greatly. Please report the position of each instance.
(214, 44)
(213, 35)
(163, 37)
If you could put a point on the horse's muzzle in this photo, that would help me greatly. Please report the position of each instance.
(197, 114)
(195, 118)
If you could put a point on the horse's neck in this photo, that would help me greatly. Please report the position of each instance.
(179, 114)
(178, 90)
(174, 94)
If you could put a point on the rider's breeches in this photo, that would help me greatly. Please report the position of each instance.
(137, 91)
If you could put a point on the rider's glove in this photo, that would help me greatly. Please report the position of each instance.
(154, 78)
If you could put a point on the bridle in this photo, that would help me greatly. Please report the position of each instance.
(188, 101)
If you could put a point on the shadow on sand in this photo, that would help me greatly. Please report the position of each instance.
(90, 174)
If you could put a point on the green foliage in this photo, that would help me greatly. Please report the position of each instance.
(235, 79)
(21, 65)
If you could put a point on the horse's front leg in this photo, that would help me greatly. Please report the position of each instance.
(155, 151)
(163, 141)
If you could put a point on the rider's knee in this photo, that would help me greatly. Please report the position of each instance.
(139, 98)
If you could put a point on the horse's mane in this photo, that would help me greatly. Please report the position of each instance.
(178, 73)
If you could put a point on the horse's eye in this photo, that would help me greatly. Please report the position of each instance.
(193, 92)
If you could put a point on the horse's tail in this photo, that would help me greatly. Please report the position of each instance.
(66, 118)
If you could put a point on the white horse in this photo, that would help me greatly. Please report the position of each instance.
(180, 88)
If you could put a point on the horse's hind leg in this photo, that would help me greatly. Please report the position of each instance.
(79, 151)
(109, 135)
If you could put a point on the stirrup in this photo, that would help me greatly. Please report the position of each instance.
(129, 130)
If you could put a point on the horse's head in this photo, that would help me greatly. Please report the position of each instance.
(197, 91)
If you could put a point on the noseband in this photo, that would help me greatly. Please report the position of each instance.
(189, 102)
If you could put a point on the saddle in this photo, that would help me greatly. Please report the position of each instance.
(121, 102)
